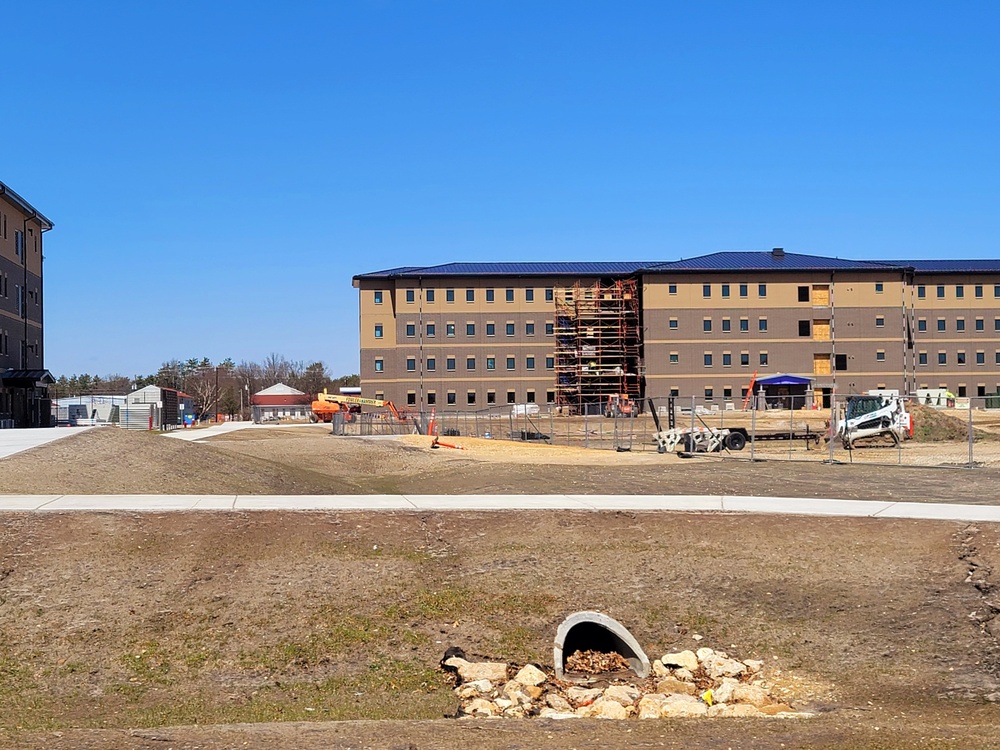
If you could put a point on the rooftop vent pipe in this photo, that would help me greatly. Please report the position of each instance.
(593, 631)
(778, 252)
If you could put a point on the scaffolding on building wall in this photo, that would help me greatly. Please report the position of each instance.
(598, 344)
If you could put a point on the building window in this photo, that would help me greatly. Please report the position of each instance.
(550, 329)
(744, 325)
(880, 322)
(762, 325)
(706, 325)
(727, 325)
(763, 359)
(431, 398)
(491, 363)
(491, 397)
(449, 295)
(942, 358)
(922, 358)
(549, 294)
(979, 291)
(529, 397)
(431, 364)
(996, 290)
(996, 324)
(745, 359)
(470, 295)
(529, 363)
(411, 330)
(879, 288)
(880, 355)
(470, 397)
(922, 324)
(510, 363)
(511, 397)
(379, 365)
(671, 289)
(980, 358)
(470, 329)
(411, 364)
(959, 291)
(941, 324)
(997, 359)
(510, 295)
(529, 329)
(449, 329)
(803, 294)
(489, 295)
(510, 329)
(449, 364)
(550, 397)
(960, 325)
(960, 357)
(706, 290)
(409, 296)
(675, 358)
(470, 363)
(491, 329)
(805, 328)
(744, 290)
(431, 330)
(709, 394)
(921, 292)
(675, 391)
(411, 398)
(429, 296)
(673, 324)
(940, 291)
(762, 290)
(529, 295)
(727, 359)
(451, 398)
(708, 359)
(380, 395)
(550, 363)
(378, 332)
(378, 298)
(980, 324)
(725, 291)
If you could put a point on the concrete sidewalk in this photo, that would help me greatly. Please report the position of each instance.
(15, 441)
(669, 503)
(201, 433)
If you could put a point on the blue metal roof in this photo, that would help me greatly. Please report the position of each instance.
(611, 268)
(950, 266)
(765, 261)
(768, 261)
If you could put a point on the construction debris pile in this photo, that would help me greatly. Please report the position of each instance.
(686, 683)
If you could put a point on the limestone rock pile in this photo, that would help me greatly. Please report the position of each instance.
(704, 683)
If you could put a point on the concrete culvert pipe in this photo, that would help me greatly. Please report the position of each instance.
(593, 631)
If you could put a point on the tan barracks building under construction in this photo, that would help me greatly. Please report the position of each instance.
(468, 336)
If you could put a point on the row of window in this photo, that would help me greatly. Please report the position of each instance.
(430, 329)
(451, 363)
(960, 358)
(959, 291)
(724, 290)
(429, 295)
(674, 358)
(471, 397)
(942, 324)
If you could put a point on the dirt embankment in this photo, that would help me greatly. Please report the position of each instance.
(114, 621)
(310, 461)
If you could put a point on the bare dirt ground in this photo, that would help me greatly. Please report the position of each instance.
(319, 630)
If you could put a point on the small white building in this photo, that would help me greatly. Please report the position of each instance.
(280, 401)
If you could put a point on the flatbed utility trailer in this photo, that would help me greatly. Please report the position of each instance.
(705, 439)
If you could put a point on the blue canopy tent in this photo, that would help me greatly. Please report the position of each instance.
(784, 391)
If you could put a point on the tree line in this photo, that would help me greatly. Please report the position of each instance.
(224, 387)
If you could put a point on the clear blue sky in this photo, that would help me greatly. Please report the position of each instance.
(218, 171)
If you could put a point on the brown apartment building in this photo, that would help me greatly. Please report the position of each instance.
(471, 336)
(23, 378)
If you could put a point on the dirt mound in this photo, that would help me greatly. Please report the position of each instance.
(932, 425)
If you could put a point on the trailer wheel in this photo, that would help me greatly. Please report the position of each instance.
(735, 441)
(690, 446)
(661, 448)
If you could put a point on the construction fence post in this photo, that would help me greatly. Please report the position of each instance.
(972, 462)
(753, 430)
(832, 431)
